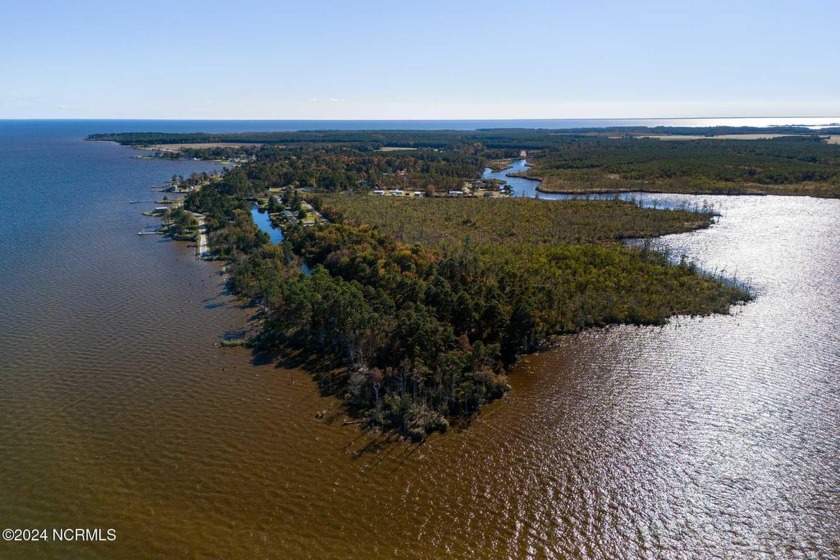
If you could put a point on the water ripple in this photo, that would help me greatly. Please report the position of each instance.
(709, 437)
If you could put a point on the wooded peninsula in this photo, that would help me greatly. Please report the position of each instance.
(412, 309)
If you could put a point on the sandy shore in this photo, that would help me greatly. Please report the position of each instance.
(201, 242)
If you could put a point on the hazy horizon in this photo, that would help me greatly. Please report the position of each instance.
(760, 121)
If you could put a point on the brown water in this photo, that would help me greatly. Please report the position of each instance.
(707, 438)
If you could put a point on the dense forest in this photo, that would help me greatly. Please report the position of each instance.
(570, 160)
(785, 165)
(413, 309)
(330, 168)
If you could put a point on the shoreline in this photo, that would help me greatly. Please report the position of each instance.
(646, 191)
(174, 152)
(540, 188)
(754, 189)
(174, 148)
(201, 248)
(733, 192)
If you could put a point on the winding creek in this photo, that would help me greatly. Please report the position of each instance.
(522, 187)
(709, 437)
(263, 221)
(519, 185)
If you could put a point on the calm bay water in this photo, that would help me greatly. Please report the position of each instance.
(709, 437)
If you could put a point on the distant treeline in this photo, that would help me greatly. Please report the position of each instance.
(784, 165)
(575, 160)
(511, 138)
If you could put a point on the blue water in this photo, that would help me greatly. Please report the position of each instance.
(263, 222)
(519, 187)
(61, 193)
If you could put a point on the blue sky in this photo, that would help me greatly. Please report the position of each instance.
(261, 59)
